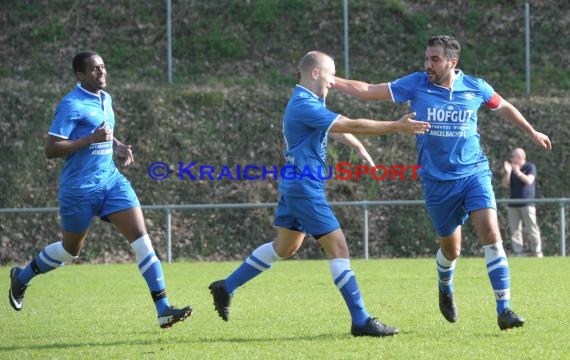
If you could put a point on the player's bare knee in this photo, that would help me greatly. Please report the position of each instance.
(490, 235)
(285, 249)
(491, 238)
(452, 254)
(286, 253)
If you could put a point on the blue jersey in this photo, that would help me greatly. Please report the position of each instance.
(451, 148)
(77, 115)
(306, 123)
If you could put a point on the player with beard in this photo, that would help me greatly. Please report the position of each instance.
(455, 173)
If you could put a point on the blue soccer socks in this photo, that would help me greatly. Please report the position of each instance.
(50, 258)
(151, 270)
(445, 270)
(344, 279)
(256, 263)
(498, 270)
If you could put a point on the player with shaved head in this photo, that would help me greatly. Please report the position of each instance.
(303, 207)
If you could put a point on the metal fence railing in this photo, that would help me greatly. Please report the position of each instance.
(365, 205)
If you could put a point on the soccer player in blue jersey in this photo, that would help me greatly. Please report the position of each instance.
(455, 172)
(91, 185)
(303, 208)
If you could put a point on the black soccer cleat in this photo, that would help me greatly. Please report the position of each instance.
(508, 320)
(173, 315)
(17, 289)
(222, 299)
(447, 306)
(373, 327)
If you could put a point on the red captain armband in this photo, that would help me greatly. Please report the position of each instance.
(494, 102)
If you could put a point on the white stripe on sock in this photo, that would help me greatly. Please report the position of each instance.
(152, 260)
(254, 264)
(49, 262)
(345, 279)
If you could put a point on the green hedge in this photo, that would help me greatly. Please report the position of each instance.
(234, 65)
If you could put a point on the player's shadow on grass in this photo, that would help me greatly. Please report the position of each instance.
(241, 340)
(177, 340)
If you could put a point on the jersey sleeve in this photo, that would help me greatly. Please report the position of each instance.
(402, 89)
(317, 116)
(64, 120)
(491, 99)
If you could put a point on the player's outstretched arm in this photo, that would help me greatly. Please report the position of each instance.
(352, 141)
(509, 112)
(405, 125)
(363, 90)
(59, 147)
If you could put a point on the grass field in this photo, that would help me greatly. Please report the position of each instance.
(290, 312)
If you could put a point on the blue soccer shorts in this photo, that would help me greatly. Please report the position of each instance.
(309, 215)
(450, 202)
(77, 208)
